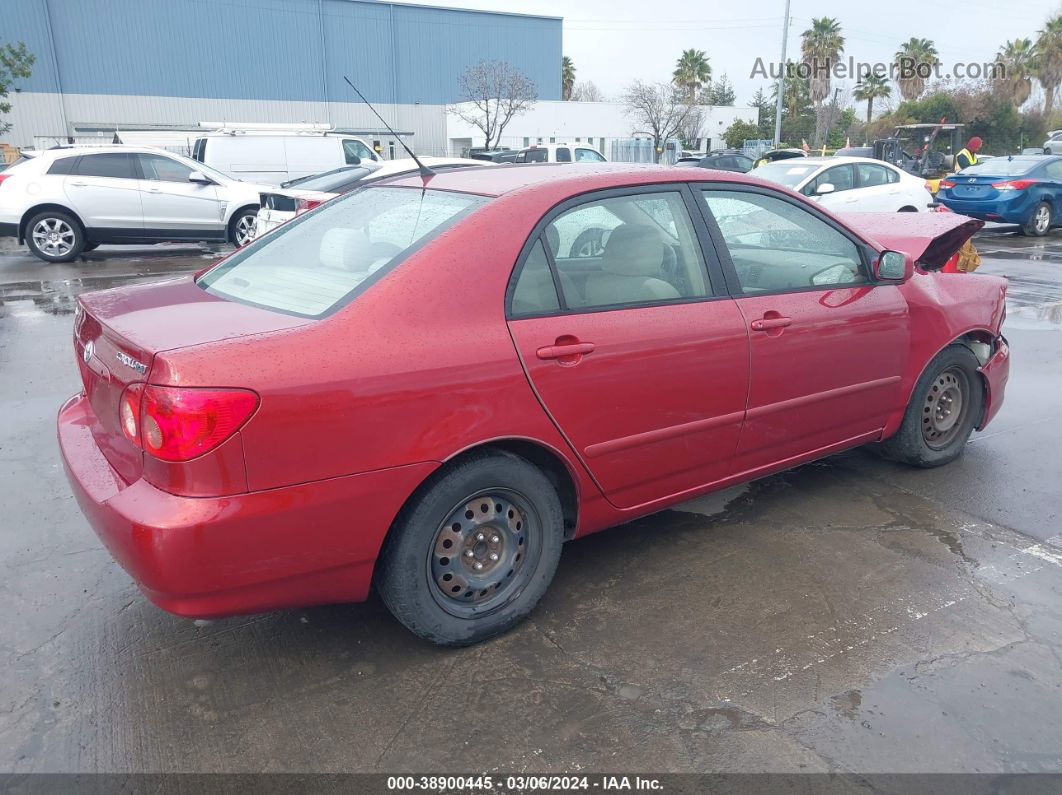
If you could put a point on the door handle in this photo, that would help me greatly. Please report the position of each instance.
(767, 323)
(78, 184)
(569, 349)
(154, 190)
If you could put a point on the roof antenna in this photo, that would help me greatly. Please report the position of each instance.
(425, 172)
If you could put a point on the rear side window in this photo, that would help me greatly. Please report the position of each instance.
(1054, 169)
(315, 263)
(871, 175)
(534, 156)
(564, 154)
(64, 165)
(118, 165)
(535, 291)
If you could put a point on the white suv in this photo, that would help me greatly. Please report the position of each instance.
(68, 200)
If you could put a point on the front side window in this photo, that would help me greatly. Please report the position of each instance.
(627, 250)
(776, 246)
(118, 165)
(588, 156)
(354, 151)
(163, 169)
(310, 265)
(841, 177)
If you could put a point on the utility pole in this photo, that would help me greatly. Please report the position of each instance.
(781, 82)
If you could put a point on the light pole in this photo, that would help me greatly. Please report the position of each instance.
(781, 81)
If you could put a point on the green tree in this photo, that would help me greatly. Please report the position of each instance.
(692, 71)
(1049, 60)
(765, 109)
(739, 132)
(798, 114)
(820, 46)
(1018, 58)
(722, 92)
(914, 53)
(872, 86)
(567, 77)
(16, 63)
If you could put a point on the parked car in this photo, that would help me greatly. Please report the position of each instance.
(1053, 144)
(727, 162)
(779, 154)
(421, 385)
(1025, 190)
(560, 153)
(69, 200)
(853, 184)
(278, 205)
(275, 158)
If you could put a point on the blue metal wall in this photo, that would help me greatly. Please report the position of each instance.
(274, 49)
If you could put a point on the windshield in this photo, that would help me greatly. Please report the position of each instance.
(1003, 166)
(786, 172)
(330, 180)
(310, 265)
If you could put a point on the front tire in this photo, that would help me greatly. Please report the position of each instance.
(944, 408)
(55, 236)
(1039, 223)
(470, 556)
(242, 226)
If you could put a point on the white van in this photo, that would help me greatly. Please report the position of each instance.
(277, 158)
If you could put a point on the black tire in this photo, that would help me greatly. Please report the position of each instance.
(1040, 220)
(908, 209)
(484, 497)
(236, 230)
(69, 240)
(920, 441)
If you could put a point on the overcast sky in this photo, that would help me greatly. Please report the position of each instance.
(615, 41)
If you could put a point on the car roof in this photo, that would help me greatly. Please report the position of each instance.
(88, 149)
(576, 177)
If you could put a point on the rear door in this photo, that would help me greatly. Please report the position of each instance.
(639, 357)
(104, 190)
(173, 206)
(828, 346)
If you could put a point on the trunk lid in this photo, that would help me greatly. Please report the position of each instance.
(931, 238)
(976, 188)
(118, 332)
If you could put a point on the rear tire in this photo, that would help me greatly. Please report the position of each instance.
(1039, 223)
(472, 553)
(945, 406)
(908, 209)
(55, 236)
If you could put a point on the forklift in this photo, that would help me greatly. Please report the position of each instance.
(925, 150)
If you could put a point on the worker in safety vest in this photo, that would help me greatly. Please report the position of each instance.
(968, 155)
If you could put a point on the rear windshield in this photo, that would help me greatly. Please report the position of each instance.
(319, 261)
(1004, 166)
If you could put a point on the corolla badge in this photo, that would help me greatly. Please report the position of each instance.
(86, 353)
(129, 361)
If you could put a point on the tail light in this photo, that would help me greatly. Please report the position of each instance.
(944, 183)
(303, 205)
(1014, 184)
(178, 423)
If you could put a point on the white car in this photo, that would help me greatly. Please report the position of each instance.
(560, 153)
(282, 204)
(850, 184)
(68, 200)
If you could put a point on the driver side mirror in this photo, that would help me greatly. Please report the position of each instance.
(824, 188)
(200, 178)
(892, 266)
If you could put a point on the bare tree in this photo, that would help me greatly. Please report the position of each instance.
(691, 130)
(661, 109)
(494, 92)
(587, 91)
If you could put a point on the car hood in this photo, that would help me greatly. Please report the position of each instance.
(931, 238)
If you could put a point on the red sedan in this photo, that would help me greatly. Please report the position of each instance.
(431, 385)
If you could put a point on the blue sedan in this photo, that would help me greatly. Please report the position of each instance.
(1023, 190)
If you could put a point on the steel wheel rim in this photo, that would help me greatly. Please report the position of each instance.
(53, 236)
(945, 408)
(245, 230)
(483, 553)
(1043, 218)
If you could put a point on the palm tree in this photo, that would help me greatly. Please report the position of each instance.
(820, 46)
(692, 71)
(872, 86)
(1049, 65)
(1018, 59)
(567, 77)
(912, 54)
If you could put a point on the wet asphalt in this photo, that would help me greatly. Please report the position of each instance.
(850, 615)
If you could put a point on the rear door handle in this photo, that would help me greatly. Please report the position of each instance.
(559, 351)
(771, 322)
(79, 184)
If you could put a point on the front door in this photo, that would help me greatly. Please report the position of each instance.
(104, 190)
(639, 358)
(175, 207)
(828, 346)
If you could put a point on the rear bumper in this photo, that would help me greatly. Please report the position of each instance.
(268, 220)
(996, 372)
(1006, 211)
(315, 543)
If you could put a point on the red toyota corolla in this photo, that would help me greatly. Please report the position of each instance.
(431, 385)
